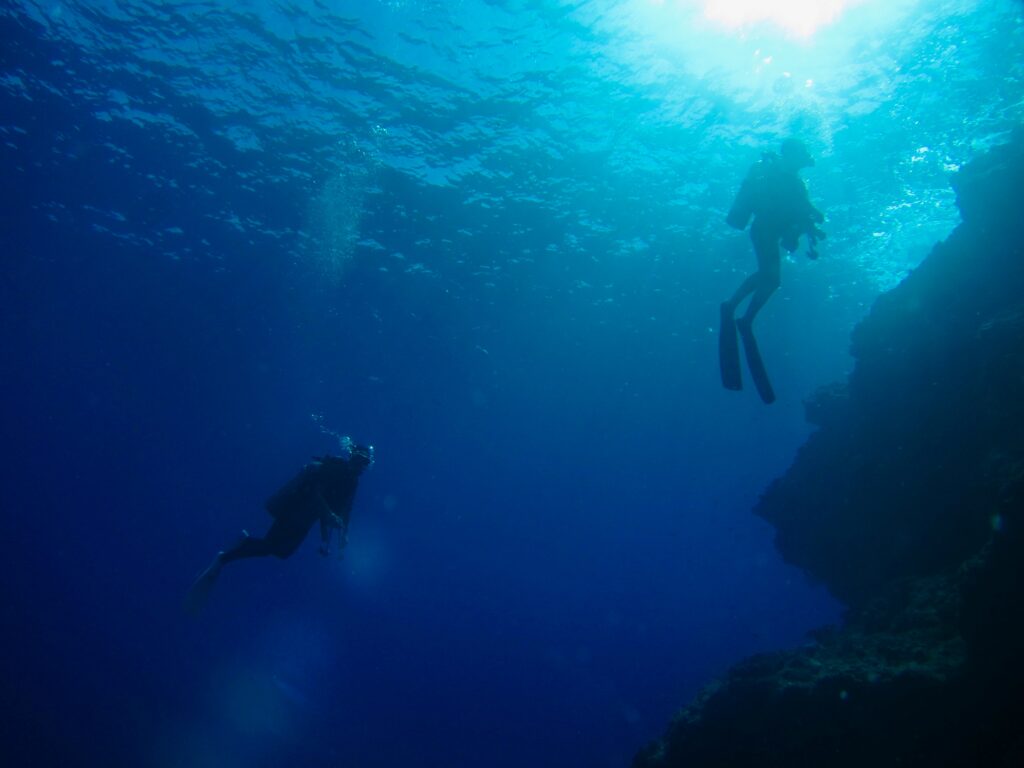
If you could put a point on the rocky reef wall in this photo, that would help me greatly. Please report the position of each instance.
(908, 504)
(906, 475)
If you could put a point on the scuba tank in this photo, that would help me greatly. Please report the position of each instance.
(294, 492)
(742, 208)
(749, 198)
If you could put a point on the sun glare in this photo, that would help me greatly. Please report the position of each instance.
(801, 18)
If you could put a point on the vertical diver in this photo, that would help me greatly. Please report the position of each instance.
(775, 196)
(323, 491)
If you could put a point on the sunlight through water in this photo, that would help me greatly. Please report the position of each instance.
(871, 79)
(799, 17)
(745, 43)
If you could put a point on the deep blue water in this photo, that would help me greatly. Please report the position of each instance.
(489, 239)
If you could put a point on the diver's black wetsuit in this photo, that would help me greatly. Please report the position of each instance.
(324, 490)
(326, 486)
(782, 213)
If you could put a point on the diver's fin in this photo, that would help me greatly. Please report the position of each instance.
(200, 590)
(755, 363)
(729, 350)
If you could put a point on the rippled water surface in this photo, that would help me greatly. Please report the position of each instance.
(621, 124)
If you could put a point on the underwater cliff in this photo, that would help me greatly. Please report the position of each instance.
(907, 504)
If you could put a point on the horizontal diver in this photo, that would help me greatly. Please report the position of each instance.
(323, 491)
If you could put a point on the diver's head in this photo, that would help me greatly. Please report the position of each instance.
(795, 155)
(361, 456)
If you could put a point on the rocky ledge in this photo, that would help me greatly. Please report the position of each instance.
(907, 503)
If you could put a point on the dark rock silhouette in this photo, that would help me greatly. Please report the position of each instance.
(908, 503)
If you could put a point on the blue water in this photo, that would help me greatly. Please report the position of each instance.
(488, 238)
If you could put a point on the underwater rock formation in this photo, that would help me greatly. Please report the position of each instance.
(907, 503)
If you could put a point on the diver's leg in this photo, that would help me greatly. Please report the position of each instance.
(746, 288)
(249, 546)
(757, 301)
(200, 590)
(284, 537)
(761, 241)
(281, 540)
(767, 278)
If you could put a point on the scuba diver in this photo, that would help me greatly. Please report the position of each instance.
(775, 196)
(322, 491)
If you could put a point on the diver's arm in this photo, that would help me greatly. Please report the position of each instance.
(809, 212)
(328, 521)
(814, 234)
(341, 523)
(812, 218)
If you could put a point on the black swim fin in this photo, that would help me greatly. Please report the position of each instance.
(199, 592)
(729, 350)
(755, 363)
